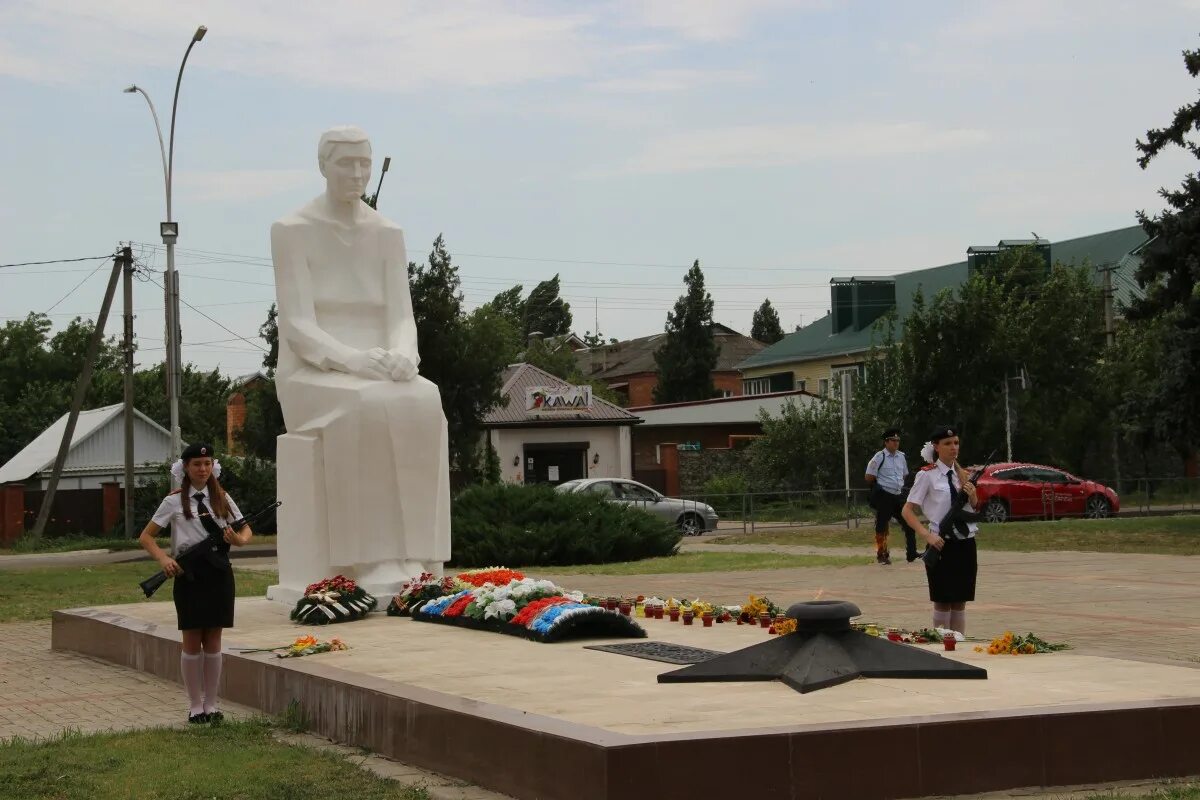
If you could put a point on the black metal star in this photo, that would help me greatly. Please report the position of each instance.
(824, 651)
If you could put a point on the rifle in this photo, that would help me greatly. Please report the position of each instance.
(958, 513)
(211, 543)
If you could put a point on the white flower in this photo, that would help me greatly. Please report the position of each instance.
(177, 470)
(502, 609)
(927, 453)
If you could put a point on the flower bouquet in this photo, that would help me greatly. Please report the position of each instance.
(419, 590)
(336, 599)
(1008, 644)
(303, 646)
(537, 610)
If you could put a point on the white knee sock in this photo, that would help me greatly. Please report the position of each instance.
(941, 619)
(191, 666)
(958, 621)
(212, 679)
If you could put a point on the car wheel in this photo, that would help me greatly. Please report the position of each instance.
(1097, 507)
(995, 510)
(691, 525)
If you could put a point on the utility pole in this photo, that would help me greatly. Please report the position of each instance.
(81, 387)
(127, 346)
(847, 412)
(1007, 423)
(1110, 339)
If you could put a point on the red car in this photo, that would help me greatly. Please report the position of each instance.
(1009, 491)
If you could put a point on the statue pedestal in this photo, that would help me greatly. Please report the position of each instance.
(304, 551)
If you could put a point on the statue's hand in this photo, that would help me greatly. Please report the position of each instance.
(374, 364)
(403, 367)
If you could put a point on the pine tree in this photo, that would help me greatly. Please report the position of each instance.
(1170, 273)
(765, 327)
(688, 355)
(546, 312)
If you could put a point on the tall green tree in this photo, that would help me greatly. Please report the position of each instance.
(688, 354)
(464, 355)
(1170, 274)
(545, 311)
(765, 326)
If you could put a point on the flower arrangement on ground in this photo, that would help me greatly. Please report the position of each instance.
(336, 599)
(1008, 644)
(537, 610)
(420, 590)
(757, 606)
(303, 646)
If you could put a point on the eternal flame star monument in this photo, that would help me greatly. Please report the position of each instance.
(363, 470)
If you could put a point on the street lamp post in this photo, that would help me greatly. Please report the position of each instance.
(169, 230)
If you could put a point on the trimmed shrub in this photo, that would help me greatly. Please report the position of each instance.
(532, 526)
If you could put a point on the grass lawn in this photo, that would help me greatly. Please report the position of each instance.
(239, 760)
(701, 562)
(66, 544)
(34, 593)
(1166, 535)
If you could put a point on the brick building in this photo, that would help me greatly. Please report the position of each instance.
(630, 370)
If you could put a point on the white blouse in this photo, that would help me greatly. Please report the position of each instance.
(186, 532)
(931, 492)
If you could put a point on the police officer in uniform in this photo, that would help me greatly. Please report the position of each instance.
(886, 472)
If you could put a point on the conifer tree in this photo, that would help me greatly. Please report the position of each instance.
(688, 354)
(765, 326)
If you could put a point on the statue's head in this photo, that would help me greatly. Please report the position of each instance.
(344, 157)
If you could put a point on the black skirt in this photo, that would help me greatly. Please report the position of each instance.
(204, 595)
(952, 578)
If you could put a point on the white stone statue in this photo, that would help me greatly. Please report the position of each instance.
(363, 470)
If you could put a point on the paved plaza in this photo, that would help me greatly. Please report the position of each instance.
(1139, 607)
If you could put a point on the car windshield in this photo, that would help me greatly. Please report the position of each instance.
(569, 486)
(635, 491)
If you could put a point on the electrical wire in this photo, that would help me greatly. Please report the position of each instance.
(76, 286)
(54, 261)
(215, 322)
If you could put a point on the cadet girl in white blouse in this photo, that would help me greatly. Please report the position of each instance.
(951, 579)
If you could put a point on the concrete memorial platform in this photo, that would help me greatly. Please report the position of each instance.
(564, 721)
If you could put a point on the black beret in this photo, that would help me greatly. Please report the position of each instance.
(891, 433)
(941, 432)
(198, 451)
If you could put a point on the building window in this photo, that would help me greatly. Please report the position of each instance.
(756, 386)
(823, 387)
(801, 384)
(726, 392)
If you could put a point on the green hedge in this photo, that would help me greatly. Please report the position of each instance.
(527, 526)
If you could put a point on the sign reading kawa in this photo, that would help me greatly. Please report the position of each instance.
(554, 399)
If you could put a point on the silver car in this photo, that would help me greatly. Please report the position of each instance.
(691, 517)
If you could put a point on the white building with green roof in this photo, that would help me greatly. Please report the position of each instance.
(814, 357)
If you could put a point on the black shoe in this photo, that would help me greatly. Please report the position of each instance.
(885, 558)
(911, 557)
(215, 716)
(197, 719)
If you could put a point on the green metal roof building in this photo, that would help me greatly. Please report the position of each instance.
(815, 355)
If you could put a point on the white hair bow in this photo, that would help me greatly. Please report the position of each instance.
(927, 453)
(177, 470)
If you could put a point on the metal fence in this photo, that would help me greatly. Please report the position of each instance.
(758, 511)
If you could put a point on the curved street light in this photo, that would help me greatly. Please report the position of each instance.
(169, 231)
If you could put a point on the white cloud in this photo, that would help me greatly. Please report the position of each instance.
(703, 20)
(672, 80)
(374, 46)
(235, 185)
(788, 145)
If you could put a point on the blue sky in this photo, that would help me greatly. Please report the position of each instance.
(781, 143)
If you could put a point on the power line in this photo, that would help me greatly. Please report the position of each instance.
(54, 261)
(81, 283)
(214, 322)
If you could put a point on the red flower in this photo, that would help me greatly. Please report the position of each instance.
(496, 577)
(534, 607)
(457, 608)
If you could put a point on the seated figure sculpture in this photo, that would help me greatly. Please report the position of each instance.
(363, 469)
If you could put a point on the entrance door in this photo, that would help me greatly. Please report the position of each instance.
(554, 465)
